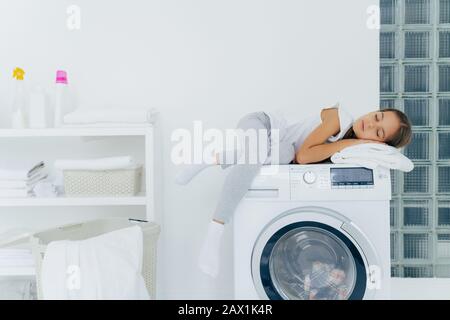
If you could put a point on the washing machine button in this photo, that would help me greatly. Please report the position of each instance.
(309, 177)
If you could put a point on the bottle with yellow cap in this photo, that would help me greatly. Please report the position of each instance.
(19, 101)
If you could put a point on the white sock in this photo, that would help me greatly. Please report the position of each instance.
(208, 260)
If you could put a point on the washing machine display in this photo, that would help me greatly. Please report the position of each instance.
(311, 261)
(351, 176)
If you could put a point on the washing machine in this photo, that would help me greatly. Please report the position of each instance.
(314, 232)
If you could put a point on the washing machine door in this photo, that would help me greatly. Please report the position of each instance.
(307, 260)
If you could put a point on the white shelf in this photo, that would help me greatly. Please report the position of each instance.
(63, 201)
(146, 131)
(17, 271)
(75, 132)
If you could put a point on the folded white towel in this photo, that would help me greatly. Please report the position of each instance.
(16, 258)
(111, 163)
(15, 193)
(108, 266)
(372, 155)
(13, 184)
(16, 262)
(9, 252)
(19, 170)
(23, 184)
(108, 115)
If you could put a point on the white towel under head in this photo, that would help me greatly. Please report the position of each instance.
(372, 155)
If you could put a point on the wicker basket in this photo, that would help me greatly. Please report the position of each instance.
(111, 183)
(93, 228)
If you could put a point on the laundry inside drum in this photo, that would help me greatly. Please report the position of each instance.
(310, 263)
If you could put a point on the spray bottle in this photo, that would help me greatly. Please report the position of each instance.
(19, 101)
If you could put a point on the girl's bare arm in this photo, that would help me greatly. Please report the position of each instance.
(314, 148)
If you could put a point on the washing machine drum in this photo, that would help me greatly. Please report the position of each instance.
(310, 261)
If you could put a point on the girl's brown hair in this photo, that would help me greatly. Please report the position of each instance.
(400, 139)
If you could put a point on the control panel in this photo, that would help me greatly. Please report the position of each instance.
(336, 181)
(332, 177)
(321, 182)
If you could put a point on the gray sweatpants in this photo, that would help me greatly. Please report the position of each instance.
(242, 174)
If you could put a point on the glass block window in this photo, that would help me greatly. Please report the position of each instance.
(387, 45)
(444, 179)
(444, 11)
(443, 246)
(415, 78)
(395, 271)
(444, 78)
(419, 147)
(417, 44)
(444, 112)
(444, 213)
(394, 215)
(417, 11)
(442, 271)
(387, 80)
(394, 182)
(415, 246)
(387, 103)
(417, 181)
(415, 213)
(418, 271)
(387, 11)
(444, 145)
(418, 111)
(393, 246)
(444, 44)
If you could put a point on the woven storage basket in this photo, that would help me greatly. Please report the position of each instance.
(93, 228)
(113, 183)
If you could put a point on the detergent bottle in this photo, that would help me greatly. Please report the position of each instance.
(62, 97)
(19, 100)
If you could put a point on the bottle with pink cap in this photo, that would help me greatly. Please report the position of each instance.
(62, 102)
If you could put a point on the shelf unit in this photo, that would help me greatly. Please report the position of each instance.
(140, 200)
(144, 200)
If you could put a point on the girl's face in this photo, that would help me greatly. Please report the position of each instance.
(378, 126)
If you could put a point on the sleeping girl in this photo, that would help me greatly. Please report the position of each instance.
(313, 140)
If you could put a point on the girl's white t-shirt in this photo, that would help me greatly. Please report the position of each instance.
(297, 132)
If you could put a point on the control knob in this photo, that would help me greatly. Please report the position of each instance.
(309, 177)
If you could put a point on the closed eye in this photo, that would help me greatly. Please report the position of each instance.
(377, 117)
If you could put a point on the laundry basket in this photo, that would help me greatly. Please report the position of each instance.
(88, 229)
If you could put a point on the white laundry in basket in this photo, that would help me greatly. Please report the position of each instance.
(108, 266)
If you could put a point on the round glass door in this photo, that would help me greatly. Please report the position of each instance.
(312, 261)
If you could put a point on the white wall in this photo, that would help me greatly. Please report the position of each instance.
(203, 60)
